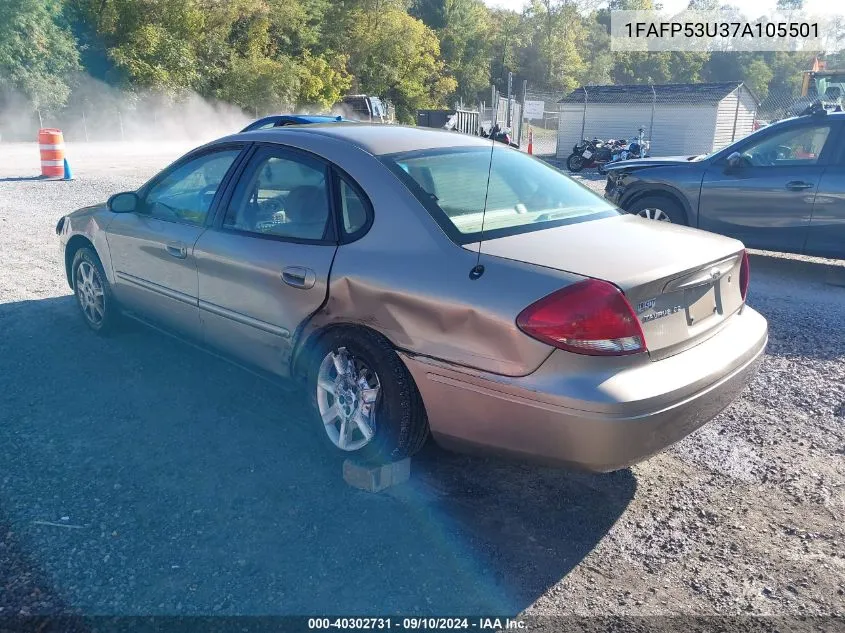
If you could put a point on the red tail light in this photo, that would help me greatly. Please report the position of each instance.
(744, 275)
(590, 317)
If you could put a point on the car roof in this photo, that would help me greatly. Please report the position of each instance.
(310, 118)
(377, 139)
(836, 116)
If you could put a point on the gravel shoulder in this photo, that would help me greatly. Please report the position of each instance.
(140, 476)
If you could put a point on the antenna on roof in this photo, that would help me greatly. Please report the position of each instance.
(478, 269)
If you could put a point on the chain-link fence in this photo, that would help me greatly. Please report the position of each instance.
(778, 105)
(676, 119)
(541, 116)
(504, 112)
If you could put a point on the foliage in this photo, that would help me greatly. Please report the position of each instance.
(260, 84)
(463, 27)
(323, 81)
(269, 55)
(398, 57)
(37, 55)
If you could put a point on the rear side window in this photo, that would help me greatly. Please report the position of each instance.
(285, 196)
(353, 209)
(524, 194)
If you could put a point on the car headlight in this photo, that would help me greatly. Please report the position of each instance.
(60, 226)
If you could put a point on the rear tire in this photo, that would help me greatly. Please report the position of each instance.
(94, 297)
(575, 163)
(375, 396)
(660, 208)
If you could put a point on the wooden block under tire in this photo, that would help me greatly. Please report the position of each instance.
(376, 478)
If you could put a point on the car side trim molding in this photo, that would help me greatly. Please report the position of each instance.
(244, 319)
(154, 287)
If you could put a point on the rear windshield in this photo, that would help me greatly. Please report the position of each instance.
(525, 194)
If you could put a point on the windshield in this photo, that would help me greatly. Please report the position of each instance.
(830, 87)
(525, 194)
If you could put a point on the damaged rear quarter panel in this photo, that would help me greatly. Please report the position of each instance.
(407, 280)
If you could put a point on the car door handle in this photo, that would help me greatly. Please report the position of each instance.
(299, 277)
(177, 250)
(798, 185)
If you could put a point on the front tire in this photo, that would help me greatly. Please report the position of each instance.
(93, 292)
(575, 163)
(660, 208)
(365, 401)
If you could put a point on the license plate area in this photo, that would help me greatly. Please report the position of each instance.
(587, 154)
(702, 304)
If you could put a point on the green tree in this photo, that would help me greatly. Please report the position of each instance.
(599, 64)
(553, 59)
(260, 84)
(37, 52)
(322, 81)
(398, 57)
(463, 28)
(154, 57)
(509, 35)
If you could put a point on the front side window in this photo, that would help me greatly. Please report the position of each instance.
(524, 194)
(186, 193)
(283, 196)
(798, 146)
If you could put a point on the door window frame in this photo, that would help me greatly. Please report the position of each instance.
(839, 142)
(824, 156)
(335, 235)
(247, 170)
(144, 189)
(339, 175)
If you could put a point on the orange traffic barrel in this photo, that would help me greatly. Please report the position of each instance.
(51, 142)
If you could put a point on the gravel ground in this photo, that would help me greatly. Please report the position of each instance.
(141, 476)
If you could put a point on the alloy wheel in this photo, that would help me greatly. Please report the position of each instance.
(347, 395)
(654, 214)
(90, 294)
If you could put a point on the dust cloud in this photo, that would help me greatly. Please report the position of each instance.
(97, 112)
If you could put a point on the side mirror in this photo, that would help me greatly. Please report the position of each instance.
(126, 202)
(734, 160)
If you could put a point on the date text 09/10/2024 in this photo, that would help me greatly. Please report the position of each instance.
(415, 624)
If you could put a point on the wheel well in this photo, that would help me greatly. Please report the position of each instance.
(73, 245)
(658, 193)
(302, 354)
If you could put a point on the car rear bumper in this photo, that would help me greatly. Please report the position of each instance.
(589, 413)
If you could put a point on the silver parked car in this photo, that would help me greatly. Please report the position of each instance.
(420, 280)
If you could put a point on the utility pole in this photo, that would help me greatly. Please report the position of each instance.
(510, 99)
(522, 112)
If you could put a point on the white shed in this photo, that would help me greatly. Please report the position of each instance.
(679, 119)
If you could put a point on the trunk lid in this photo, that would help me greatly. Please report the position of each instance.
(683, 283)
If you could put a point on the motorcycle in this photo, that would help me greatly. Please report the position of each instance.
(593, 153)
(499, 135)
(636, 149)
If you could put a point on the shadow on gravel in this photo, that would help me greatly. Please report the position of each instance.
(30, 179)
(198, 489)
(23, 588)
(804, 304)
(801, 271)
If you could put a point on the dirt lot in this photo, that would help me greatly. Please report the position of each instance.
(140, 476)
